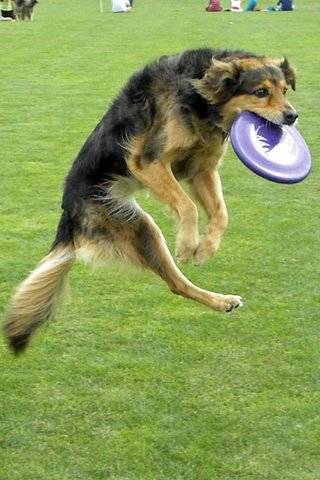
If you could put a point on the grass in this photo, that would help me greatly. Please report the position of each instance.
(130, 382)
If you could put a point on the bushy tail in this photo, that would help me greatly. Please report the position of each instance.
(36, 298)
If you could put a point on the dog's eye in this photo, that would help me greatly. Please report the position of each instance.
(285, 90)
(261, 92)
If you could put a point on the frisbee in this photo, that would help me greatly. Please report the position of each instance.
(277, 153)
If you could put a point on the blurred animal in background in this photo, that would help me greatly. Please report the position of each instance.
(24, 9)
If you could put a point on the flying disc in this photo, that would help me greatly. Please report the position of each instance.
(277, 153)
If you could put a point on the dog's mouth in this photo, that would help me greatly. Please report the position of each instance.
(288, 117)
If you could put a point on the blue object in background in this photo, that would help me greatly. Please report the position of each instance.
(286, 5)
(251, 5)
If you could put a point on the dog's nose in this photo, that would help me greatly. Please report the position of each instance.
(289, 117)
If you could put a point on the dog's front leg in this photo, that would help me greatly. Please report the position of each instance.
(208, 190)
(158, 177)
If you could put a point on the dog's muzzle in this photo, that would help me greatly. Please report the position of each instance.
(289, 117)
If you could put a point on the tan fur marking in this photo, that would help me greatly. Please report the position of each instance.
(208, 190)
(179, 137)
(252, 63)
(158, 177)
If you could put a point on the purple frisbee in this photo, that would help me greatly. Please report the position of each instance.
(277, 153)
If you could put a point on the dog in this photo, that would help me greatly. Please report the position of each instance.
(24, 9)
(171, 121)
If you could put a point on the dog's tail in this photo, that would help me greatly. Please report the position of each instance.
(36, 298)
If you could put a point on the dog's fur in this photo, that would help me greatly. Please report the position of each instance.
(24, 9)
(170, 122)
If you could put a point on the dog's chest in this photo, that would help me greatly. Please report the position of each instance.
(189, 162)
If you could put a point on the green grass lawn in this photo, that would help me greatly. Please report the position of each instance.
(131, 382)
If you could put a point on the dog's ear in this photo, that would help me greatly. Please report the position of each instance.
(288, 72)
(219, 82)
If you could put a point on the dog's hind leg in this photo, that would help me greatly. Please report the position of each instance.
(146, 246)
(208, 190)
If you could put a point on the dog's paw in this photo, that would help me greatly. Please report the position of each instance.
(184, 254)
(231, 302)
(206, 249)
(226, 303)
(185, 250)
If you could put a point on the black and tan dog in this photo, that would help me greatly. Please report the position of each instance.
(24, 9)
(170, 122)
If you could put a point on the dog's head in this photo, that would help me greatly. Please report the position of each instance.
(255, 84)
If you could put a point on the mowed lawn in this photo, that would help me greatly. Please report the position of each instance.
(131, 382)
